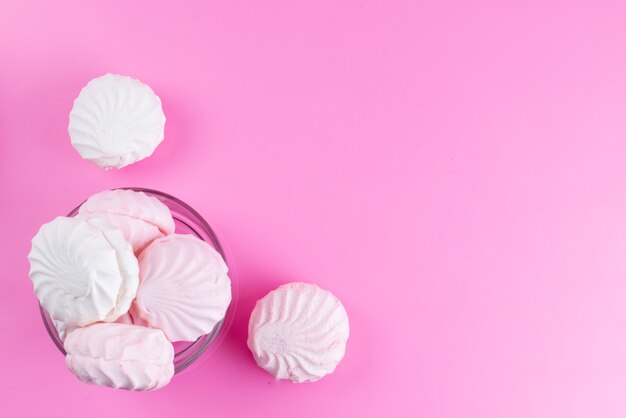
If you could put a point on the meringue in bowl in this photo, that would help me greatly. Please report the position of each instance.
(187, 221)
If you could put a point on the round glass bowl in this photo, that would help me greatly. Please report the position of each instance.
(187, 221)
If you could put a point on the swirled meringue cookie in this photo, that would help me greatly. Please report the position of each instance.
(184, 287)
(82, 271)
(298, 332)
(120, 356)
(116, 121)
(140, 217)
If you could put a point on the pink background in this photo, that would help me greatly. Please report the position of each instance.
(454, 172)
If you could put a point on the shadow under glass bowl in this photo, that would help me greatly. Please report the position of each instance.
(187, 221)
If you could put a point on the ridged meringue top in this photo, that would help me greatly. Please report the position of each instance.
(137, 232)
(184, 287)
(127, 264)
(298, 332)
(120, 356)
(116, 120)
(132, 204)
(80, 272)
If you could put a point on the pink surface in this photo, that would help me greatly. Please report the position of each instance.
(454, 173)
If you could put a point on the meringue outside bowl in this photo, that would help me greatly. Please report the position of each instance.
(187, 221)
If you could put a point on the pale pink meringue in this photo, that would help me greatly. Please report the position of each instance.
(184, 287)
(136, 231)
(298, 332)
(63, 329)
(120, 356)
(140, 218)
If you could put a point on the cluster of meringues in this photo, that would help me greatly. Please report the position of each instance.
(121, 285)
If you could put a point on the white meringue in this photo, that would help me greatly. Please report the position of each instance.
(120, 356)
(298, 332)
(116, 121)
(128, 266)
(184, 287)
(121, 207)
(83, 271)
(62, 328)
